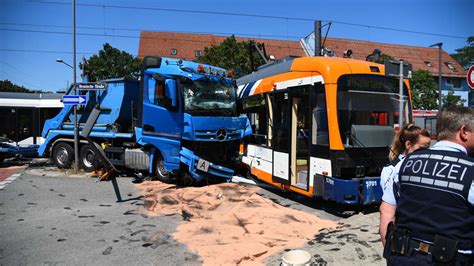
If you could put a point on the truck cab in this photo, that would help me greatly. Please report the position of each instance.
(180, 120)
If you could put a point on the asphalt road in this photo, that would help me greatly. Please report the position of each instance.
(59, 220)
(54, 218)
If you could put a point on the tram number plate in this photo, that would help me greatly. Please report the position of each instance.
(203, 165)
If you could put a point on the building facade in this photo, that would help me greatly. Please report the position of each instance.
(191, 46)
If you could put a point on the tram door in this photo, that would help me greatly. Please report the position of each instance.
(281, 136)
(300, 137)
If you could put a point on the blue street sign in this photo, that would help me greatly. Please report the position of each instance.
(91, 86)
(75, 99)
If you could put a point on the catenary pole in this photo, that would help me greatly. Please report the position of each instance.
(76, 133)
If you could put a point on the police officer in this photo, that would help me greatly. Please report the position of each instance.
(432, 198)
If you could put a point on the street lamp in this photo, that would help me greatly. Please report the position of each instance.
(439, 45)
(59, 60)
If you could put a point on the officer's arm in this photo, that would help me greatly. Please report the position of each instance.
(387, 215)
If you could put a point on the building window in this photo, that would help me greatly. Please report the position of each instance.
(456, 83)
(428, 63)
(198, 53)
(174, 51)
(450, 66)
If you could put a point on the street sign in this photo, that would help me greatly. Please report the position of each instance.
(91, 86)
(470, 77)
(75, 99)
(392, 68)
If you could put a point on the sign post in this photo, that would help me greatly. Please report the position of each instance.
(470, 77)
(401, 70)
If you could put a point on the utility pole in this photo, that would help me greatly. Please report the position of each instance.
(317, 38)
(76, 131)
(440, 44)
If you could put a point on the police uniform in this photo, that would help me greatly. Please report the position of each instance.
(433, 190)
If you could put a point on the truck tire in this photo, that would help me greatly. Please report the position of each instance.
(89, 159)
(160, 172)
(63, 155)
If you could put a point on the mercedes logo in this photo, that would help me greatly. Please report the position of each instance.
(221, 134)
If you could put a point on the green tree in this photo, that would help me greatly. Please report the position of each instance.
(231, 54)
(465, 55)
(452, 100)
(8, 86)
(111, 63)
(424, 90)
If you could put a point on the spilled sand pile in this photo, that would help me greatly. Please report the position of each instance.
(230, 223)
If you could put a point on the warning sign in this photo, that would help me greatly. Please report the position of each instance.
(470, 77)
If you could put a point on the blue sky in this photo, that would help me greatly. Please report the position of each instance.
(34, 33)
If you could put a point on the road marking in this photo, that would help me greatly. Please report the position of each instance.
(8, 180)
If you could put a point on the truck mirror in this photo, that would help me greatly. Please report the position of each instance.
(171, 92)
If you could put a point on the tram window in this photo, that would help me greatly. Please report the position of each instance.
(367, 109)
(281, 118)
(256, 110)
(320, 132)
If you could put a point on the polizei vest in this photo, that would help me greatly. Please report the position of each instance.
(434, 188)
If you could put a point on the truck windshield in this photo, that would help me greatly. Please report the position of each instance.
(368, 109)
(210, 98)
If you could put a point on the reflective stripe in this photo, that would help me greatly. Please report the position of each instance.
(456, 186)
(428, 181)
(436, 156)
(465, 162)
(450, 159)
(441, 183)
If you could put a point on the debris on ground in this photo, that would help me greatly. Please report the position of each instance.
(354, 241)
(230, 223)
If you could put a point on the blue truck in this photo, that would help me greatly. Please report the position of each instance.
(179, 120)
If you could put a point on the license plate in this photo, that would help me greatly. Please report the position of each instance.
(203, 165)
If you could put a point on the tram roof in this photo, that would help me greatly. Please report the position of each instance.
(323, 65)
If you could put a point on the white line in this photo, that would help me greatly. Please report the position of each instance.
(2, 186)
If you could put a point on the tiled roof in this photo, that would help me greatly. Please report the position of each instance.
(186, 44)
(419, 57)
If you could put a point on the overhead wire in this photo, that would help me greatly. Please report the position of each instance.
(141, 30)
(126, 36)
(252, 15)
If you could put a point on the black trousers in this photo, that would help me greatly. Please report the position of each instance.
(419, 259)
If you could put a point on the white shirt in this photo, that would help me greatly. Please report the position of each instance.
(386, 175)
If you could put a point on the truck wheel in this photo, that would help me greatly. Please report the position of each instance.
(89, 159)
(63, 154)
(160, 172)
